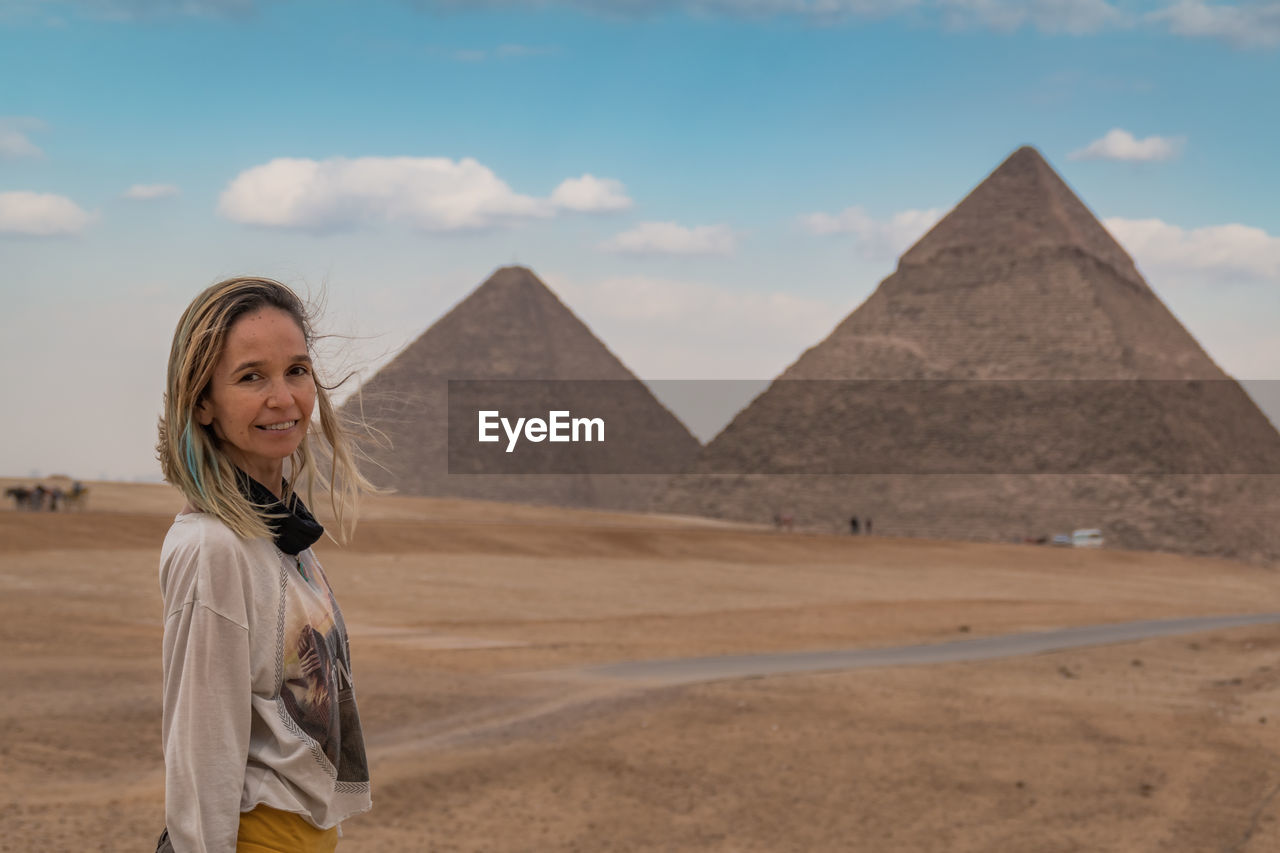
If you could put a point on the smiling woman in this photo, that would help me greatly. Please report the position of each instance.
(262, 739)
(260, 401)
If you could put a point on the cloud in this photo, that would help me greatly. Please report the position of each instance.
(1247, 25)
(591, 194)
(427, 193)
(14, 141)
(1230, 252)
(1074, 17)
(40, 215)
(150, 192)
(1121, 145)
(876, 241)
(668, 238)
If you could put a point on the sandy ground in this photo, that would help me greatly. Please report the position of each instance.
(466, 617)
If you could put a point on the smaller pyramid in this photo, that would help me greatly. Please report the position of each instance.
(513, 328)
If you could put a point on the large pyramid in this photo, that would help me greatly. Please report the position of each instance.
(1014, 377)
(512, 328)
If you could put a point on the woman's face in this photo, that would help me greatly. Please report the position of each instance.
(260, 400)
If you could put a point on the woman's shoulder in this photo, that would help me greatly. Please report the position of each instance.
(202, 539)
(203, 559)
(195, 529)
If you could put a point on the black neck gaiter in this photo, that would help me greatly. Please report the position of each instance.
(293, 528)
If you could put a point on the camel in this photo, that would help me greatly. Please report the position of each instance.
(76, 497)
(21, 496)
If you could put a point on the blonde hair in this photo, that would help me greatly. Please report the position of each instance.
(190, 454)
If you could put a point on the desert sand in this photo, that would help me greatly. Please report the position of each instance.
(470, 623)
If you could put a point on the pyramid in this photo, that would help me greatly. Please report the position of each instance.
(514, 329)
(1019, 320)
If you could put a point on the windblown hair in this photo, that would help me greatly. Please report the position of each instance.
(191, 455)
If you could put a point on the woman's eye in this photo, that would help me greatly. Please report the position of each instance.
(300, 370)
(250, 377)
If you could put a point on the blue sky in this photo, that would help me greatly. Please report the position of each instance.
(710, 185)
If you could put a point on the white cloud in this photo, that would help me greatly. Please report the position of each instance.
(591, 194)
(668, 238)
(14, 139)
(150, 192)
(1121, 145)
(1075, 17)
(875, 240)
(1210, 254)
(1243, 25)
(428, 193)
(41, 215)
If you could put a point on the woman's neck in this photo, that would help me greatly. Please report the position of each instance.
(272, 478)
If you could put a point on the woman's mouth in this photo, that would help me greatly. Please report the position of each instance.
(280, 427)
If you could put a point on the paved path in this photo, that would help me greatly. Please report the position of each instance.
(692, 670)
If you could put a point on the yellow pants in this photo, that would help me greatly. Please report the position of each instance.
(268, 830)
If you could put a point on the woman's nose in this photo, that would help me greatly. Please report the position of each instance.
(278, 395)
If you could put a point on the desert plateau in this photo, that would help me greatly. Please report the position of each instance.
(474, 626)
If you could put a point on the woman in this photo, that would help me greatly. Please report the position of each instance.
(262, 742)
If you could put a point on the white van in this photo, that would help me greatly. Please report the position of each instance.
(1088, 538)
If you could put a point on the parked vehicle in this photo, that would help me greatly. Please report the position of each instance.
(1087, 538)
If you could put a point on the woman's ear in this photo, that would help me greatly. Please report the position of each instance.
(204, 413)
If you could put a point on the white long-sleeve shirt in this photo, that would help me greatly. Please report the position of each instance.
(259, 705)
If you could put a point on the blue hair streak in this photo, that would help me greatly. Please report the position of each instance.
(189, 455)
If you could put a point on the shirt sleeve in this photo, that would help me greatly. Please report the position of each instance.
(207, 711)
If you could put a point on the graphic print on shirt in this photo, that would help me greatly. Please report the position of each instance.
(317, 690)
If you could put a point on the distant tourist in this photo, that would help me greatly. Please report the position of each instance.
(853, 525)
(262, 739)
(868, 525)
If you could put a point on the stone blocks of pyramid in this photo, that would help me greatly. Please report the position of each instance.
(512, 327)
(1019, 283)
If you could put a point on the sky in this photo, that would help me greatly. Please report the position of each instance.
(711, 185)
